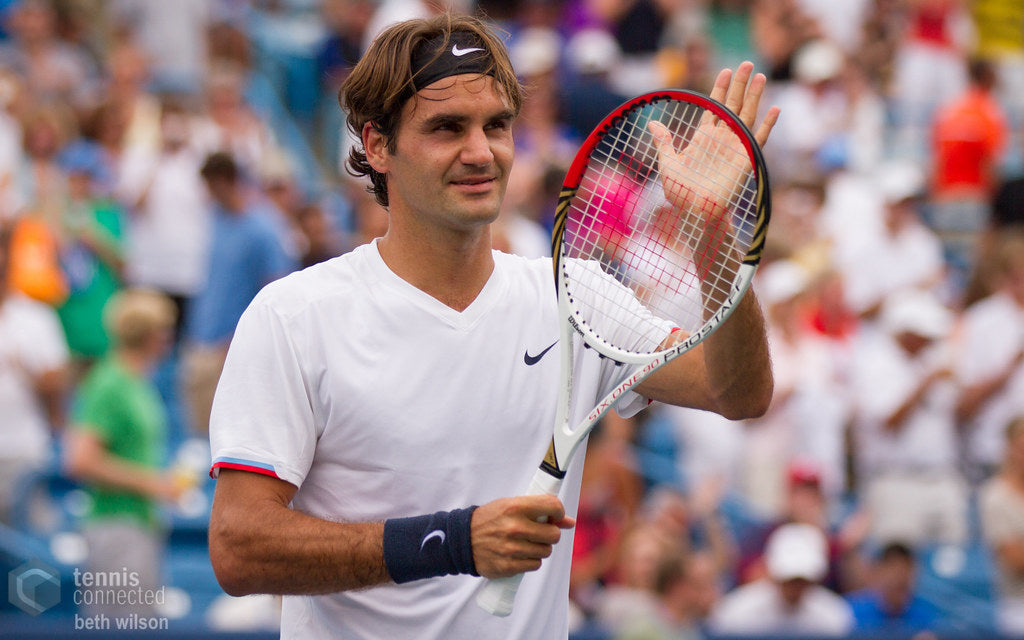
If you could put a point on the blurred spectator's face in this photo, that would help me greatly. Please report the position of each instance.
(899, 215)
(222, 190)
(111, 128)
(128, 67)
(41, 140)
(911, 342)
(79, 185)
(223, 102)
(895, 578)
(34, 22)
(793, 591)
(174, 129)
(806, 503)
(704, 585)
(672, 517)
(639, 560)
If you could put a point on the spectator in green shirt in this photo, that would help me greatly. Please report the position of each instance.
(116, 447)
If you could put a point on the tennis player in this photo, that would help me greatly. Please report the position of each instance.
(368, 403)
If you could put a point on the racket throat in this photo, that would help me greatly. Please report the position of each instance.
(550, 463)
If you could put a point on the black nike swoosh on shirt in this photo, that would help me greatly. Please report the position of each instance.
(532, 360)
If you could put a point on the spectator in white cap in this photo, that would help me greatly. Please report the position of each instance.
(790, 601)
(904, 253)
(815, 112)
(905, 427)
(592, 56)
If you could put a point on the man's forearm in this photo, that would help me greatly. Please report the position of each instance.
(263, 546)
(738, 362)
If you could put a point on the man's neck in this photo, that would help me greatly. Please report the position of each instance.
(451, 267)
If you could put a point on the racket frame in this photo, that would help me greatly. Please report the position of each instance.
(498, 596)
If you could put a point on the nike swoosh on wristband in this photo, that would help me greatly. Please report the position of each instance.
(458, 53)
(532, 360)
(436, 533)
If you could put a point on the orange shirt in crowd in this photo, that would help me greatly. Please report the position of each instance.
(969, 135)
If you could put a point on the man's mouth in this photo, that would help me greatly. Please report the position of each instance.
(469, 182)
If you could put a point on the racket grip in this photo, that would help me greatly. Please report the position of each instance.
(498, 595)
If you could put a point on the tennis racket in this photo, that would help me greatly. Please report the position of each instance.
(658, 231)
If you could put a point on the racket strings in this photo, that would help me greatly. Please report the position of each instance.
(636, 264)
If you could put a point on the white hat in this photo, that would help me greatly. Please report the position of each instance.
(916, 311)
(900, 180)
(780, 281)
(817, 61)
(593, 51)
(797, 551)
(536, 50)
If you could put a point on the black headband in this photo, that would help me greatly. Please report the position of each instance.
(462, 52)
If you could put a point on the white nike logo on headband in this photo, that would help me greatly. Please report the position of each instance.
(457, 52)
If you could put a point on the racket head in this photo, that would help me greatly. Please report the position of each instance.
(632, 256)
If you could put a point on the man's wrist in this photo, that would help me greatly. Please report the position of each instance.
(428, 546)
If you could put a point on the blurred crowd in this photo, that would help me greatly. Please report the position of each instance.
(161, 161)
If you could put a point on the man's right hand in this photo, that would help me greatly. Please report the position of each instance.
(513, 535)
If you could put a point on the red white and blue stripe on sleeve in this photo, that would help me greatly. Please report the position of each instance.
(240, 464)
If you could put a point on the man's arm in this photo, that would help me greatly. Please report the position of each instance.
(86, 458)
(730, 372)
(258, 544)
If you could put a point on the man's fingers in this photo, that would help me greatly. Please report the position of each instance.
(721, 86)
(663, 140)
(542, 508)
(513, 535)
(751, 100)
(770, 118)
(662, 136)
(568, 522)
(736, 95)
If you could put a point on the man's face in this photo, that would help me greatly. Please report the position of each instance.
(452, 157)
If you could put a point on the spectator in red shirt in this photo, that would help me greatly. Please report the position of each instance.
(969, 135)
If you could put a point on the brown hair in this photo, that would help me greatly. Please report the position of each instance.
(382, 82)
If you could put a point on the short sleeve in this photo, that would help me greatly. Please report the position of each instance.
(262, 420)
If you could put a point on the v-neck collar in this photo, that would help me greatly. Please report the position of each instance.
(489, 295)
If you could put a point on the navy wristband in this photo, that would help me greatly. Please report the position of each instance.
(428, 546)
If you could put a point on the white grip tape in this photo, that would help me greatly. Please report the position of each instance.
(499, 594)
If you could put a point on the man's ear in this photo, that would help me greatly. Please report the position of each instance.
(376, 147)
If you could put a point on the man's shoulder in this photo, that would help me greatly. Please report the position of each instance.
(516, 262)
(300, 289)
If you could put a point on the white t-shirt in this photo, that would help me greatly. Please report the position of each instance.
(890, 263)
(169, 236)
(758, 609)
(992, 336)
(378, 401)
(31, 343)
(884, 377)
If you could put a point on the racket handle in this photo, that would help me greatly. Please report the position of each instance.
(499, 594)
